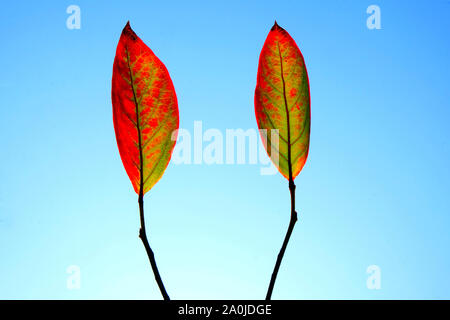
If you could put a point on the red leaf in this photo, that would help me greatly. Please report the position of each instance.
(145, 111)
(282, 100)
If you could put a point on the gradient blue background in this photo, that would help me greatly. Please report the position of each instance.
(374, 190)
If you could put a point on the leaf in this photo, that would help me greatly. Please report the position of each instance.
(145, 111)
(282, 101)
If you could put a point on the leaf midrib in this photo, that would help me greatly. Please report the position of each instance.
(287, 113)
(138, 127)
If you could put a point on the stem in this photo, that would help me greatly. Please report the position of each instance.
(151, 256)
(286, 240)
(142, 233)
(291, 184)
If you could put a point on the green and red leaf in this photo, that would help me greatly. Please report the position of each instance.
(145, 111)
(282, 100)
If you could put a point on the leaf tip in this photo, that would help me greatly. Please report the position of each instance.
(127, 31)
(276, 27)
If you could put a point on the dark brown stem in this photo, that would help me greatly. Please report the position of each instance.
(286, 240)
(151, 256)
(291, 184)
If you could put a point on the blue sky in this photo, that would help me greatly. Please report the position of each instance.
(373, 192)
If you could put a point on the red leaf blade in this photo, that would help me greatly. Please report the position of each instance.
(282, 100)
(145, 111)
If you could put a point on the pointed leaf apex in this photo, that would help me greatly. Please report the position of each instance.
(127, 31)
(276, 26)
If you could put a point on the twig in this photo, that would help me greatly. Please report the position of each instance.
(151, 256)
(286, 240)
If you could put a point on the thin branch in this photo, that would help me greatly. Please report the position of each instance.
(291, 187)
(151, 256)
(286, 240)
